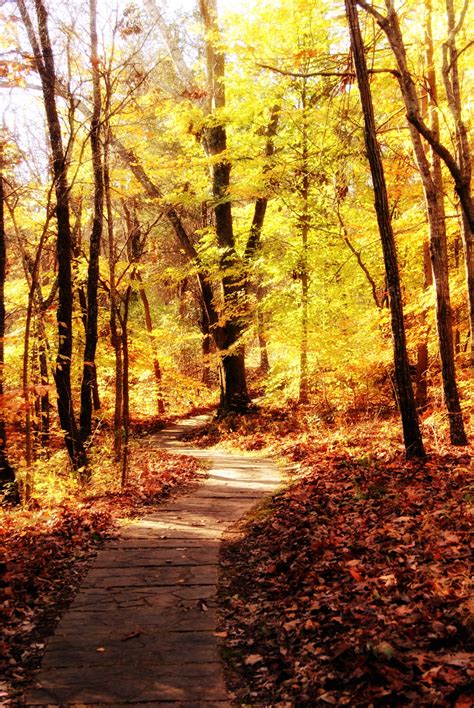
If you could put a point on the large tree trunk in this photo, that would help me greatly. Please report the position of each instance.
(234, 394)
(8, 487)
(89, 375)
(45, 66)
(406, 401)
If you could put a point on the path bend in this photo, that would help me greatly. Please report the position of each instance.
(141, 628)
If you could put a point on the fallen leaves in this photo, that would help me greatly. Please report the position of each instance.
(355, 589)
(253, 659)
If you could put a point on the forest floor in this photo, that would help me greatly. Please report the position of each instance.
(353, 586)
(349, 587)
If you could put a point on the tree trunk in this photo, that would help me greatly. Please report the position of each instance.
(463, 149)
(89, 375)
(234, 394)
(45, 65)
(422, 348)
(125, 387)
(433, 190)
(115, 335)
(304, 379)
(303, 266)
(8, 487)
(406, 401)
(439, 259)
(156, 364)
(44, 396)
(264, 366)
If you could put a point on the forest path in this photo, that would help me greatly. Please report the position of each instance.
(141, 628)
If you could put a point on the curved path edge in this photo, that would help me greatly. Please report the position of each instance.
(141, 629)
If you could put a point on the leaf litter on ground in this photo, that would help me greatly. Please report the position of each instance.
(353, 586)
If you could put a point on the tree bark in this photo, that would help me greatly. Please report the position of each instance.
(89, 375)
(406, 401)
(234, 394)
(45, 66)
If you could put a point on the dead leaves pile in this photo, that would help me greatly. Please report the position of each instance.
(354, 589)
(44, 554)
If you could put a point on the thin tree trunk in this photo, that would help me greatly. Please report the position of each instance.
(149, 329)
(406, 401)
(462, 186)
(206, 352)
(44, 396)
(45, 65)
(304, 225)
(115, 335)
(439, 259)
(31, 270)
(125, 387)
(89, 375)
(463, 149)
(8, 487)
(264, 366)
(422, 347)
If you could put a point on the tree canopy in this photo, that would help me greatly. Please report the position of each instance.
(189, 216)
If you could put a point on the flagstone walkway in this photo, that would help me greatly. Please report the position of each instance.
(141, 628)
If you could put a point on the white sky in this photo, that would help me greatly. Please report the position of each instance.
(22, 111)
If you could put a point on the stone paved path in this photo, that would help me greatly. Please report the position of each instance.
(141, 629)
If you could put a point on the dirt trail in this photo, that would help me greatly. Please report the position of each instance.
(141, 628)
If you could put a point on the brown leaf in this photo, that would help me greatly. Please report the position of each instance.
(253, 659)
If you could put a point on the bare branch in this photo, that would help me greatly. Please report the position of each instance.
(339, 74)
